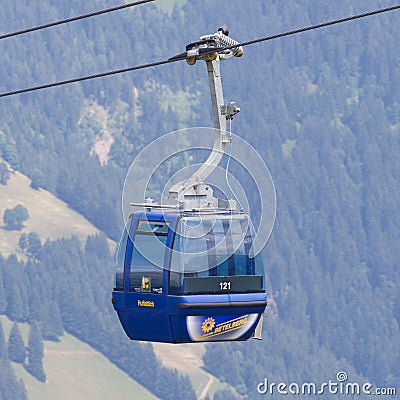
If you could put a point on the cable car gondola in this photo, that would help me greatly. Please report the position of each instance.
(186, 271)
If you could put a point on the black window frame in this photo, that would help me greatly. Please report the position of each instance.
(153, 274)
(257, 274)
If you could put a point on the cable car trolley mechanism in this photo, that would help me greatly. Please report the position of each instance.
(185, 270)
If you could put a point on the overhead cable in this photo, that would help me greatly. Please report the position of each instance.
(183, 57)
(79, 17)
(88, 77)
(312, 27)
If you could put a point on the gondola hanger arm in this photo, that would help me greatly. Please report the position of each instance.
(201, 50)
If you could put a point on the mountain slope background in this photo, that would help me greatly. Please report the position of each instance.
(75, 370)
(323, 110)
(50, 217)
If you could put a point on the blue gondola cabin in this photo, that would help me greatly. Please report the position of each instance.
(189, 277)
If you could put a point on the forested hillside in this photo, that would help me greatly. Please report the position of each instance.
(66, 287)
(323, 110)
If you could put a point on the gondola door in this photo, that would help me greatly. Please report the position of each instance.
(145, 294)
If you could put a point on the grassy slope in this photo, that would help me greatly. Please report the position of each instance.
(50, 217)
(187, 359)
(75, 371)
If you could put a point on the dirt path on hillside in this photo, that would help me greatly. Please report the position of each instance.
(71, 352)
(206, 388)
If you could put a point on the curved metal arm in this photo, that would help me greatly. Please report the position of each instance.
(217, 100)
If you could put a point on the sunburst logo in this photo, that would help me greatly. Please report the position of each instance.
(208, 325)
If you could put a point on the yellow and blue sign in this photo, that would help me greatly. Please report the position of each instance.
(219, 327)
(145, 303)
(146, 284)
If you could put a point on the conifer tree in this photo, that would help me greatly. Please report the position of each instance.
(23, 242)
(10, 154)
(34, 244)
(15, 307)
(3, 350)
(50, 322)
(10, 386)
(16, 345)
(225, 394)
(4, 174)
(3, 298)
(35, 353)
(38, 179)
